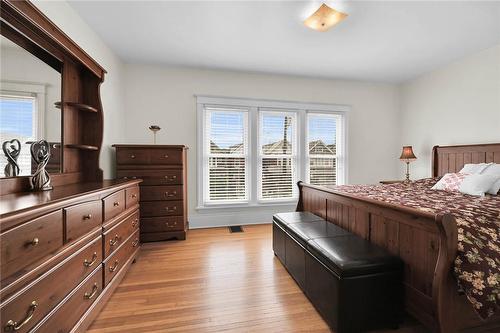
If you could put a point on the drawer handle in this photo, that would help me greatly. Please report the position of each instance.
(134, 196)
(112, 242)
(132, 156)
(170, 177)
(87, 263)
(170, 195)
(87, 217)
(116, 203)
(134, 243)
(90, 295)
(114, 267)
(134, 223)
(171, 210)
(171, 225)
(34, 242)
(15, 326)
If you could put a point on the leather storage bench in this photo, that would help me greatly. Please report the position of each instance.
(355, 285)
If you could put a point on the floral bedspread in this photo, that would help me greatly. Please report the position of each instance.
(477, 266)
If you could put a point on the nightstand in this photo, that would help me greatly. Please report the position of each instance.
(385, 182)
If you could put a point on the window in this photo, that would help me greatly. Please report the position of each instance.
(322, 131)
(226, 148)
(277, 155)
(253, 152)
(18, 120)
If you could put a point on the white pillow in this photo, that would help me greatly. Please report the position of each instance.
(474, 168)
(493, 169)
(478, 184)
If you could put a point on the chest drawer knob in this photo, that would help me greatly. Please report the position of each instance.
(112, 242)
(166, 156)
(134, 223)
(135, 242)
(87, 263)
(173, 209)
(87, 217)
(170, 195)
(34, 242)
(116, 204)
(13, 326)
(132, 156)
(114, 267)
(90, 295)
(134, 196)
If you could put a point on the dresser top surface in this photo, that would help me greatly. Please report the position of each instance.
(149, 146)
(15, 203)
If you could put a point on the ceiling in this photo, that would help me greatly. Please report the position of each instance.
(389, 41)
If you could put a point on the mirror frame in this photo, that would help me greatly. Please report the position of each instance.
(81, 107)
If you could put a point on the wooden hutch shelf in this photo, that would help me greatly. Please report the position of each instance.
(82, 147)
(79, 106)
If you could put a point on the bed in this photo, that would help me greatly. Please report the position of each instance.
(426, 240)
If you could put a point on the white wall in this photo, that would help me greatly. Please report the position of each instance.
(457, 104)
(165, 96)
(65, 17)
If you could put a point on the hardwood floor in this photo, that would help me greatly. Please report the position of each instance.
(215, 281)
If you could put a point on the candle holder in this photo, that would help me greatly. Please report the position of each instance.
(11, 150)
(40, 152)
(154, 129)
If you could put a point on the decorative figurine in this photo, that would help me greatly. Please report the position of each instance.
(40, 152)
(12, 149)
(154, 128)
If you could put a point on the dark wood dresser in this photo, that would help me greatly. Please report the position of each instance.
(163, 170)
(63, 252)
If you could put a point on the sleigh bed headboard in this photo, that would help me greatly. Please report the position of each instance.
(452, 158)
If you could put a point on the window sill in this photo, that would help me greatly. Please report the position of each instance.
(246, 205)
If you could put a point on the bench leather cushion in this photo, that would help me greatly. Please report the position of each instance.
(305, 231)
(284, 219)
(351, 255)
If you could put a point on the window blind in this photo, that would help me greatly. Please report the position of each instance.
(277, 162)
(18, 121)
(322, 148)
(226, 152)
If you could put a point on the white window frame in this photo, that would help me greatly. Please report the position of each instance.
(254, 106)
(293, 156)
(26, 89)
(340, 149)
(207, 155)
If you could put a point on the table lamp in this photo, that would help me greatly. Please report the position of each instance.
(407, 156)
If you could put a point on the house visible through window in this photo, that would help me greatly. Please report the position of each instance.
(254, 152)
(18, 120)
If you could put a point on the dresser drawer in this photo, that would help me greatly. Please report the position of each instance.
(161, 208)
(132, 156)
(117, 260)
(165, 156)
(162, 224)
(115, 236)
(28, 243)
(164, 192)
(74, 307)
(153, 177)
(82, 218)
(114, 204)
(45, 293)
(131, 196)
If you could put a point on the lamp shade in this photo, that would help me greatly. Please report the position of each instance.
(407, 154)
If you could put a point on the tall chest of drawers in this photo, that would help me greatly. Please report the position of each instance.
(163, 171)
(63, 253)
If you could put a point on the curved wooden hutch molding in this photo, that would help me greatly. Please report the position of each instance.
(81, 107)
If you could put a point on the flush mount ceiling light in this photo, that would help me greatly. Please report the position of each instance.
(324, 18)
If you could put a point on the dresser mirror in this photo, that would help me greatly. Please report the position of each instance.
(30, 91)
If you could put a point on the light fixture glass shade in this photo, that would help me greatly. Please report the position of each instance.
(407, 154)
(324, 18)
